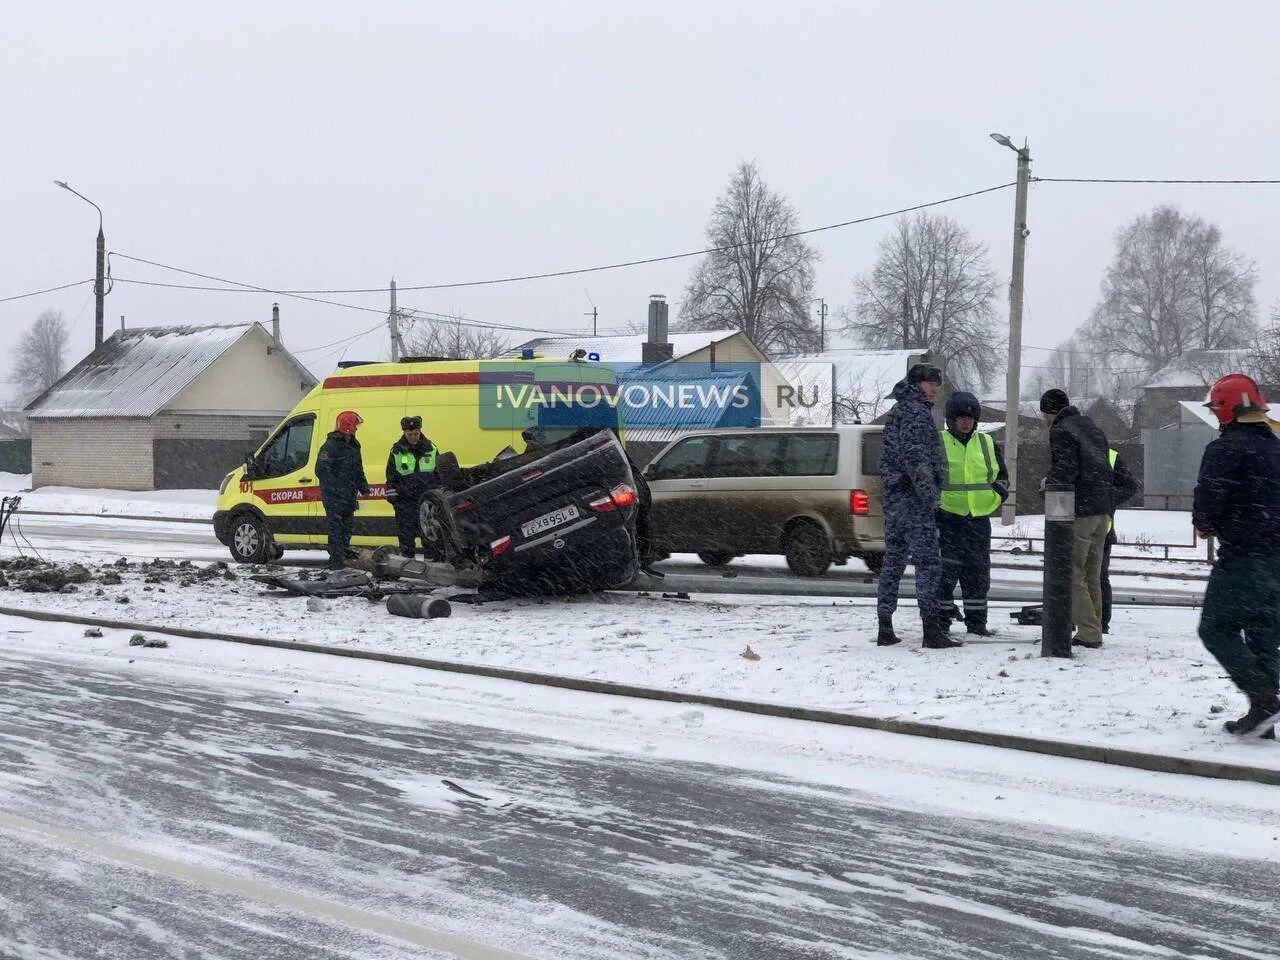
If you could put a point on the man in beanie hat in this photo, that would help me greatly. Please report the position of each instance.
(975, 487)
(1237, 500)
(913, 472)
(411, 472)
(1079, 455)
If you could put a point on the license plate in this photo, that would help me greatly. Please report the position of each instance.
(549, 520)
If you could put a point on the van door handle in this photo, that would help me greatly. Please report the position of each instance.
(304, 479)
(697, 484)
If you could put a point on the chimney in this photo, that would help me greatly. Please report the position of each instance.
(656, 348)
(122, 323)
(275, 324)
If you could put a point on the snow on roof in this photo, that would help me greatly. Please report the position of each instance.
(624, 349)
(136, 373)
(1196, 368)
(863, 377)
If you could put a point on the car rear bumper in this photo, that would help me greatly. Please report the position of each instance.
(571, 561)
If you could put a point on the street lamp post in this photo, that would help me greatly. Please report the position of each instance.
(99, 288)
(822, 321)
(1013, 385)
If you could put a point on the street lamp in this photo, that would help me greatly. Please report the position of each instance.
(1013, 386)
(99, 290)
(822, 319)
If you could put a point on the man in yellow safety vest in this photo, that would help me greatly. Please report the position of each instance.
(976, 486)
(411, 472)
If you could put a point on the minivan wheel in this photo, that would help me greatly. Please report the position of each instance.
(249, 540)
(807, 549)
(874, 562)
(715, 558)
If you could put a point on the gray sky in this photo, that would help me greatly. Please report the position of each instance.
(320, 145)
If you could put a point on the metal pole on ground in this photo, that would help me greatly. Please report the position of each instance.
(1059, 519)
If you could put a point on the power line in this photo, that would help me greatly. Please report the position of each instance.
(582, 270)
(36, 293)
(355, 336)
(1122, 180)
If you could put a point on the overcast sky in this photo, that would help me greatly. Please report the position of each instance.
(325, 145)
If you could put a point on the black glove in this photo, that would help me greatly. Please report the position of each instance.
(1002, 489)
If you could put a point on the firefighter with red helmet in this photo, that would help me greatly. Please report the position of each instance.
(341, 474)
(1237, 500)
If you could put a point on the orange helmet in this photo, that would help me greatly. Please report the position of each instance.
(1233, 395)
(348, 420)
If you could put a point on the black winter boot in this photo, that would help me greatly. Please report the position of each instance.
(1259, 722)
(935, 638)
(886, 637)
(979, 630)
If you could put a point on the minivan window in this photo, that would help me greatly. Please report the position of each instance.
(872, 444)
(748, 456)
(289, 450)
(686, 460)
(811, 455)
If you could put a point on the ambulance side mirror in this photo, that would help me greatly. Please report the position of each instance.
(248, 466)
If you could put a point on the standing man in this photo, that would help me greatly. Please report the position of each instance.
(411, 472)
(1078, 455)
(976, 485)
(1124, 487)
(912, 468)
(1237, 500)
(341, 476)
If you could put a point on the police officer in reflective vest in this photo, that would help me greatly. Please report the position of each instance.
(411, 472)
(975, 487)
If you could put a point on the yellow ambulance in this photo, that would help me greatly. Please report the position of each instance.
(471, 408)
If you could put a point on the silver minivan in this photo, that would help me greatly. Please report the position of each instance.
(811, 494)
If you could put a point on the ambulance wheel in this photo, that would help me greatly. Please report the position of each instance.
(807, 549)
(249, 540)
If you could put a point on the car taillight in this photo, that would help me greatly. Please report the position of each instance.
(499, 546)
(623, 494)
(859, 503)
(602, 503)
(601, 443)
(461, 505)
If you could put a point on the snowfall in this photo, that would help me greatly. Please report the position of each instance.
(1151, 687)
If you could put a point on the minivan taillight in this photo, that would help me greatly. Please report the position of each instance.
(859, 503)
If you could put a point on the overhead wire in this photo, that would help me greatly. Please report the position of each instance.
(36, 293)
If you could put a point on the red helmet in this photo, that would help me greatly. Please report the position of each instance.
(348, 420)
(1233, 395)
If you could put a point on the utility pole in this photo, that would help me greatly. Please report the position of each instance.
(393, 320)
(593, 314)
(906, 321)
(1013, 382)
(822, 324)
(99, 279)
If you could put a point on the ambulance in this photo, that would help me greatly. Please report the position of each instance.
(476, 410)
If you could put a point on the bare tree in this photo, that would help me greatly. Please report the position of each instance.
(931, 289)
(1172, 287)
(42, 354)
(1264, 354)
(454, 337)
(757, 279)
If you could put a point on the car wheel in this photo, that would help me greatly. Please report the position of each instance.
(807, 549)
(874, 562)
(431, 526)
(249, 540)
(715, 558)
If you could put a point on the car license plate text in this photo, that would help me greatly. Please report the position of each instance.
(549, 520)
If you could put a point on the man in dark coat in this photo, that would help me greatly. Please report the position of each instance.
(976, 485)
(1237, 500)
(341, 474)
(1078, 455)
(411, 472)
(1124, 489)
(913, 472)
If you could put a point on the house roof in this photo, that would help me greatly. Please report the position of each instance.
(1196, 368)
(137, 373)
(624, 349)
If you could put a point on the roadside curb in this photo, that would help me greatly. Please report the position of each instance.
(1057, 748)
(110, 516)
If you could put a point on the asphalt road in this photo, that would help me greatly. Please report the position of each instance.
(565, 852)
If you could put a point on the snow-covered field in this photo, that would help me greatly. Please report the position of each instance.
(1152, 687)
(187, 504)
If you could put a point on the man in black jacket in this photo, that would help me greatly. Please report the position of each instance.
(1237, 500)
(1078, 455)
(341, 474)
(411, 472)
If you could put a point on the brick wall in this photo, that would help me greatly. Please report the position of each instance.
(112, 453)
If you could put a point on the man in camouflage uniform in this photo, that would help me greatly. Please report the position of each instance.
(913, 470)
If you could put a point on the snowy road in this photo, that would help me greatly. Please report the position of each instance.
(574, 852)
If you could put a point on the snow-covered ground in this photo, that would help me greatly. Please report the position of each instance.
(187, 504)
(1152, 687)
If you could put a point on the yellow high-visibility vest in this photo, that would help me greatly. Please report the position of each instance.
(971, 470)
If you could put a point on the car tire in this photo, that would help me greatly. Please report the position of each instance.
(874, 562)
(431, 525)
(250, 542)
(715, 558)
(807, 549)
